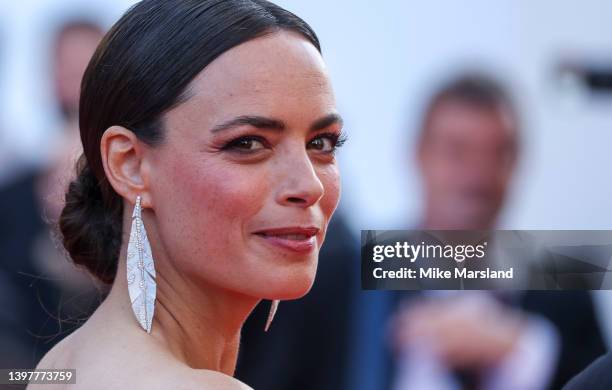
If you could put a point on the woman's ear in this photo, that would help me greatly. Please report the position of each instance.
(122, 158)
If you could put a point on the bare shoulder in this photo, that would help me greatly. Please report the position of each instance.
(104, 361)
(155, 375)
(191, 379)
(54, 359)
(57, 356)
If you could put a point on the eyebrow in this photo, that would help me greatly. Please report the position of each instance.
(327, 121)
(261, 122)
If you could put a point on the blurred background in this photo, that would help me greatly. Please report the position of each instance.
(386, 60)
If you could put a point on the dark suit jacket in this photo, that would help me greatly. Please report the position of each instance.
(598, 376)
(25, 318)
(573, 315)
(34, 314)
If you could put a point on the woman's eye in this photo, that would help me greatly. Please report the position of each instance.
(322, 144)
(246, 144)
(326, 143)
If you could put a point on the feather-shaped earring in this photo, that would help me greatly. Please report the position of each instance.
(273, 307)
(141, 271)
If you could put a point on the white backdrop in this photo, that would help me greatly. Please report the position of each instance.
(383, 57)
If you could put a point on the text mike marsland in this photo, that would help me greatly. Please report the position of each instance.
(437, 273)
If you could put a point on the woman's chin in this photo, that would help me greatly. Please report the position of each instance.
(293, 287)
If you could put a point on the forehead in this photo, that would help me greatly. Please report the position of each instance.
(278, 75)
(470, 122)
(78, 35)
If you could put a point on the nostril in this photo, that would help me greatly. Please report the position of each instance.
(295, 200)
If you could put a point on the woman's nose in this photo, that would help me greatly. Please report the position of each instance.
(300, 185)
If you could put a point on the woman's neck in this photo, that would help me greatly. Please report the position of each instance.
(198, 324)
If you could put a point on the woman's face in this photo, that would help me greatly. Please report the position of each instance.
(246, 181)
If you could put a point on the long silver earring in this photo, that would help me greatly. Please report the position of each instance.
(141, 271)
(273, 307)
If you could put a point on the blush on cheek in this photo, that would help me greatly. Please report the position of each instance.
(231, 192)
(219, 195)
(330, 178)
(210, 205)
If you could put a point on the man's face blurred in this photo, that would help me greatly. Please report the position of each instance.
(74, 49)
(467, 158)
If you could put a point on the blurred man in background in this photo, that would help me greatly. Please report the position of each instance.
(45, 295)
(75, 44)
(467, 153)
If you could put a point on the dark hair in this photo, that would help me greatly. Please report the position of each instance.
(473, 89)
(142, 69)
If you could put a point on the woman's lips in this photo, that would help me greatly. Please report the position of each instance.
(296, 239)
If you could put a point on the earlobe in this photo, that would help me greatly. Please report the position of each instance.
(122, 157)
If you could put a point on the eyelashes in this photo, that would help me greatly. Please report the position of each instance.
(246, 144)
(336, 140)
(250, 144)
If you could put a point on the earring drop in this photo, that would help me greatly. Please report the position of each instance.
(141, 271)
(273, 307)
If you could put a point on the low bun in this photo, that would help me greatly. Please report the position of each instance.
(91, 227)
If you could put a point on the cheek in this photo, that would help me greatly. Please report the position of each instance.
(330, 178)
(204, 207)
